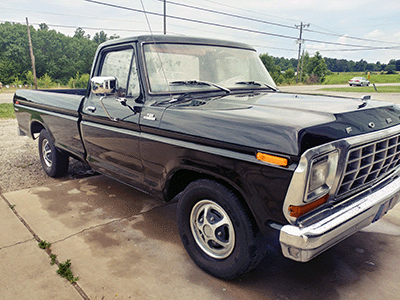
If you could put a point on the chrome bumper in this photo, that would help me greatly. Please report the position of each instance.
(304, 243)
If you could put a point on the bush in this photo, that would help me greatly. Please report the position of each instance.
(45, 82)
(79, 82)
(313, 79)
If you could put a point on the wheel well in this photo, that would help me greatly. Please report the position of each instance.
(36, 127)
(182, 178)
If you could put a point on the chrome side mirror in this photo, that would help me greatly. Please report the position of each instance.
(104, 85)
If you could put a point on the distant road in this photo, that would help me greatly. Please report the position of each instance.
(6, 97)
(316, 89)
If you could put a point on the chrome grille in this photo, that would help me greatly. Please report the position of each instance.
(370, 162)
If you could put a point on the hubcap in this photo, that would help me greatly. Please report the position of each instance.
(212, 229)
(46, 153)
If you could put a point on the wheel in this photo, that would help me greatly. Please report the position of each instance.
(54, 162)
(216, 231)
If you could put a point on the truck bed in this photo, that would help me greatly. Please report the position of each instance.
(58, 110)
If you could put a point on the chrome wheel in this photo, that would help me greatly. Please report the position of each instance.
(212, 229)
(46, 153)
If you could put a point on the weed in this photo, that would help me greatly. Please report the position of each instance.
(12, 206)
(65, 271)
(44, 245)
(25, 166)
(53, 259)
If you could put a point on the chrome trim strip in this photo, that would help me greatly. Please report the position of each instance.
(111, 128)
(48, 112)
(211, 150)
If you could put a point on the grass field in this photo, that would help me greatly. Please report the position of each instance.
(365, 89)
(6, 111)
(343, 78)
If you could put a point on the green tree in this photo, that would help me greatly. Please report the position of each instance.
(29, 78)
(45, 81)
(274, 71)
(289, 75)
(316, 67)
(397, 64)
(43, 26)
(100, 37)
(80, 34)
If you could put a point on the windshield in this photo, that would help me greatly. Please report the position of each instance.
(185, 68)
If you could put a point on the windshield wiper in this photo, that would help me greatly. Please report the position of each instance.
(188, 95)
(257, 84)
(200, 82)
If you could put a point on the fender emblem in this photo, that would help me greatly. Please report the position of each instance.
(389, 120)
(349, 130)
(371, 125)
(150, 117)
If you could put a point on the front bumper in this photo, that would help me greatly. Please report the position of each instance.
(302, 243)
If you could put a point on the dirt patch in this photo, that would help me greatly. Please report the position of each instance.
(20, 166)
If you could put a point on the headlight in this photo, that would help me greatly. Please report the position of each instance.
(322, 175)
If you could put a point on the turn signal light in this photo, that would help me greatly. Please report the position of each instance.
(298, 211)
(272, 159)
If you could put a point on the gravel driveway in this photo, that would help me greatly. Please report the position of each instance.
(20, 166)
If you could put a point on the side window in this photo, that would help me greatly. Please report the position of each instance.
(118, 64)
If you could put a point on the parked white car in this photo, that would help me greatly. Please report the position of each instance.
(361, 81)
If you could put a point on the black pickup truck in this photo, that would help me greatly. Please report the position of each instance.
(202, 121)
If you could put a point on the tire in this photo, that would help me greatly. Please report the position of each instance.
(217, 232)
(54, 162)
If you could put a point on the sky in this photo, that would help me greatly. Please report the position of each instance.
(342, 29)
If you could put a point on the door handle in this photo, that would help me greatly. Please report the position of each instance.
(92, 109)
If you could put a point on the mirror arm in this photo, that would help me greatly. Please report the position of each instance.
(108, 115)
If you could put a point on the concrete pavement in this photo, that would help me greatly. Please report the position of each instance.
(124, 245)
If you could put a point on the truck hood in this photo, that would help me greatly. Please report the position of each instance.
(278, 122)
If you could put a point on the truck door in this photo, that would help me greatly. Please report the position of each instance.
(110, 128)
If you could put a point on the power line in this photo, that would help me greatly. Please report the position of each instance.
(270, 23)
(194, 21)
(219, 25)
(69, 15)
(365, 49)
(251, 11)
(226, 26)
(83, 27)
(350, 37)
(227, 14)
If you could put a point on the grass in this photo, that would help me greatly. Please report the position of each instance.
(6, 111)
(366, 89)
(344, 77)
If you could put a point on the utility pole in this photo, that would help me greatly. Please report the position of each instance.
(302, 62)
(165, 16)
(32, 56)
(300, 41)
